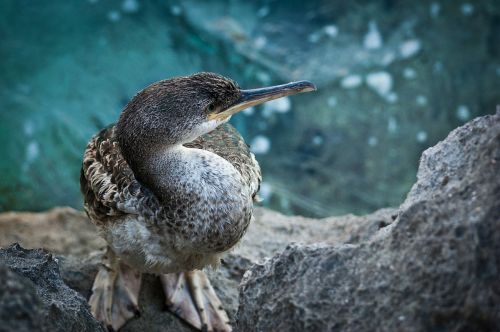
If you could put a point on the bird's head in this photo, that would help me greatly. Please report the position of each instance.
(178, 110)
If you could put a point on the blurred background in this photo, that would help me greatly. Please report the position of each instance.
(394, 77)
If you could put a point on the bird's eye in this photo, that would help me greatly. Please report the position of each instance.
(211, 107)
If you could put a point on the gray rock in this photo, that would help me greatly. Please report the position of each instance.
(68, 233)
(33, 297)
(20, 307)
(437, 267)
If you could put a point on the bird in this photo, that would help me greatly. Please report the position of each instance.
(170, 187)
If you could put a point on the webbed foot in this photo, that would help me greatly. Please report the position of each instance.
(191, 297)
(115, 292)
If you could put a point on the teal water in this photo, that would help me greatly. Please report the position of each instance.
(394, 78)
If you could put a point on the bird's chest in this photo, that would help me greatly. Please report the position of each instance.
(205, 210)
(150, 249)
(201, 192)
(209, 208)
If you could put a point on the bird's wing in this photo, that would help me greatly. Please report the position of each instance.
(109, 186)
(226, 142)
(111, 190)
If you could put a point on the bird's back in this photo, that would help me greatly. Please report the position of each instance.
(111, 191)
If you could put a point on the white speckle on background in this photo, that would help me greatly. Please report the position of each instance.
(380, 82)
(114, 16)
(176, 10)
(372, 141)
(421, 136)
(351, 81)
(409, 73)
(410, 48)
(331, 30)
(249, 111)
(392, 125)
(314, 37)
(372, 39)
(421, 100)
(265, 191)
(435, 9)
(392, 97)
(32, 151)
(281, 105)
(332, 101)
(263, 77)
(28, 128)
(463, 113)
(260, 42)
(388, 58)
(263, 12)
(267, 112)
(437, 67)
(260, 144)
(130, 6)
(317, 140)
(467, 9)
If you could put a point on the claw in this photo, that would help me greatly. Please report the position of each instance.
(115, 293)
(190, 296)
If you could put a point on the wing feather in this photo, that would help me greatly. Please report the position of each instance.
(111, 190)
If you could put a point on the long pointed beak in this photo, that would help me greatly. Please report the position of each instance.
(249, 98)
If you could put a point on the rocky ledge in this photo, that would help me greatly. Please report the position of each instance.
(432, 264)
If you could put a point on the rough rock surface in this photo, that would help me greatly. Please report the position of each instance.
(33, 297)
(67, 233)
(437, 267)
(20, 306)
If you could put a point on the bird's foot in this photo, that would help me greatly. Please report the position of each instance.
(190, 296)
(115, 292)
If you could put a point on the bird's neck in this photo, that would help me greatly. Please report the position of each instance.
(177, 171)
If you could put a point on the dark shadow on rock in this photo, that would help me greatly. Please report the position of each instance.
(33, 297)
